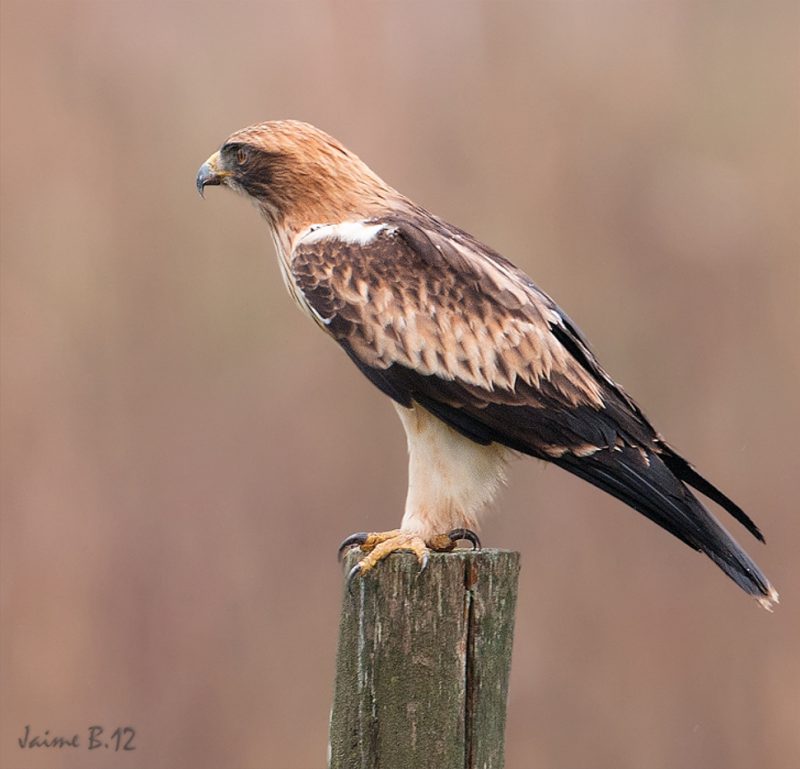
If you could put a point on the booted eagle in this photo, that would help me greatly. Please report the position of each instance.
(479, 362)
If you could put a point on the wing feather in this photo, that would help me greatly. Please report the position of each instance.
(446, 317)
(432, 316)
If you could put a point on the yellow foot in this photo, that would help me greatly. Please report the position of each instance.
(378, 545)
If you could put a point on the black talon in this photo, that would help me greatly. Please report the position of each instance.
(351, 575)
(466, 534)
(426, 556)
(354, 540)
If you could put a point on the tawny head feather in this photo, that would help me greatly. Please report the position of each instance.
(297, 175)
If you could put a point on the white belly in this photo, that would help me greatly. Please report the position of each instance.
(450, 478)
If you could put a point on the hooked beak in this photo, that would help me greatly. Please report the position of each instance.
(209, 174)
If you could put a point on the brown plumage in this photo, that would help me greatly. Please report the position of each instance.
(478, 360)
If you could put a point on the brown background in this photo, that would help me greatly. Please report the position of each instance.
(182, 450)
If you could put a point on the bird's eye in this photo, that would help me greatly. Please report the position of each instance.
(241, 156)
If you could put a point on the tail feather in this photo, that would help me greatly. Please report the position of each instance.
(688, 474)
(650, 486)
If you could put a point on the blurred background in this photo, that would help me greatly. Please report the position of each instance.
(182, 451)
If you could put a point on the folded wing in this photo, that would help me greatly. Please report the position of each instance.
(432, 316)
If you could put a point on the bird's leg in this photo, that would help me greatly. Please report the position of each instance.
(378, 545)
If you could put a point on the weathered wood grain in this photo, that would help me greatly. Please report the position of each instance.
(423, 663)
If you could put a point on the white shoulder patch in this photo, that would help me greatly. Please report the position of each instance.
(359, 232)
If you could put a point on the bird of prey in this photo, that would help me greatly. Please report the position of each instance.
(480, 363)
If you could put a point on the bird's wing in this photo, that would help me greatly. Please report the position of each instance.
(431, 315)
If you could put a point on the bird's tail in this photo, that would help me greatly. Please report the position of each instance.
(650, 485)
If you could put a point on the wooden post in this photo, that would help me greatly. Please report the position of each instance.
(423, 662)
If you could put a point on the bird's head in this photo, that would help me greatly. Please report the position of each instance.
(296, 174)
